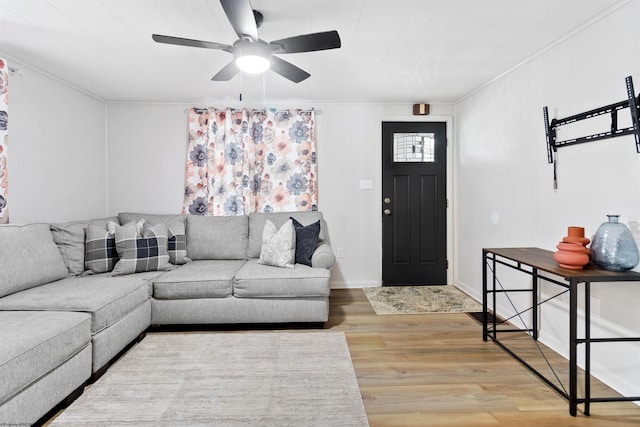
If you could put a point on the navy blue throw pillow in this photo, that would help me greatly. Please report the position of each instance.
(306, 241)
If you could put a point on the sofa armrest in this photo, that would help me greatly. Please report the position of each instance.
(323, 256)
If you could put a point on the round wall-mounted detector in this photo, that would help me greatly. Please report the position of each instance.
(495, 218)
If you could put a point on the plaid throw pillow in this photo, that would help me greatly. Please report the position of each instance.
(100, 249)
(138, 254)
(177, 243)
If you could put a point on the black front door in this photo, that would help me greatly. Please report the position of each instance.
(414, 203)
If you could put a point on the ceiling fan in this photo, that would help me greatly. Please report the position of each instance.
(252, 54)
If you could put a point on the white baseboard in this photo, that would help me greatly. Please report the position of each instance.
(469, 290)
(353, 285)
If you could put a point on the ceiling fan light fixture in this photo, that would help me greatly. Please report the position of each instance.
(252, 58)
(253, 64)
(250, 53)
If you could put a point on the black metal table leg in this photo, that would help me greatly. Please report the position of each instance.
(484, 296)
(587, 348)
(534, 304)
(573, 363)
(493, 299)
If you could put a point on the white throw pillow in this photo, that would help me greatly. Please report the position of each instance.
(278, 246)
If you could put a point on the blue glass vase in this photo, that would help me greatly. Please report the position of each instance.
(613, 247)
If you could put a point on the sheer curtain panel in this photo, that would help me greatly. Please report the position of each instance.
(244, 161)
(4, 140)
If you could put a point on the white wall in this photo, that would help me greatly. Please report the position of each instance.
(147, 157)
(56, 160)
(350, 149)
(501, 166)
(147, 152)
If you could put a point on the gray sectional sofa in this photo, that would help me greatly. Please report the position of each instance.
(60, 325)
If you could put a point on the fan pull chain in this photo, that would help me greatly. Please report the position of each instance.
(264, 91)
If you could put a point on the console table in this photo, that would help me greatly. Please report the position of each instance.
(540, 265)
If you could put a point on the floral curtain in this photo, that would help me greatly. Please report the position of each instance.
(4, 139)
(244, 161)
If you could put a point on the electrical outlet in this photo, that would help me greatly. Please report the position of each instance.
(595, 306)
(340, 252)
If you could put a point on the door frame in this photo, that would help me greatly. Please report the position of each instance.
(450, 186)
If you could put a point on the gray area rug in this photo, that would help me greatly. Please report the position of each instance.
(226, 379)
(420, 300)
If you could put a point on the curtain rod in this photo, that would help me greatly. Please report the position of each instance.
(263, 110)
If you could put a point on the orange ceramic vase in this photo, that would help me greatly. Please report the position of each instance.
(576, 234)
(571, 255)
(572, 251)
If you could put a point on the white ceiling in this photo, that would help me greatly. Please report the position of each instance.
(392, 50)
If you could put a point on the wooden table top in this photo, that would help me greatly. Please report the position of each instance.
(542, 259)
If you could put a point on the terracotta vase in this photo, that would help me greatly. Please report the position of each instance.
(573, 231)
(572, 247)
(576, 234)
(572, 255)
(572, 250)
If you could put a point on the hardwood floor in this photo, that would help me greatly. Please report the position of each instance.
(435, 370)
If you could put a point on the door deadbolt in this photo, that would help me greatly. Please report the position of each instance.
(387, 211)
(387, 200)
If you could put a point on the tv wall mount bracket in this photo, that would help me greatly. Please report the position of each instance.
(633, 103)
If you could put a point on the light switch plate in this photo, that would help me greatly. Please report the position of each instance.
(366, 184)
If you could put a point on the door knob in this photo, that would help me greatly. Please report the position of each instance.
(387, 211)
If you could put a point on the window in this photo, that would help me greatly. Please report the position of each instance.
(414, 147)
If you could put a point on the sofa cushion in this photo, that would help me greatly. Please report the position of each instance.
(70, 238)
(278, 245)
(28, 257)
(258, 220)
(100, 248)
(35, 343)
(217, 237)
(141, 253)
(198, 279)
(106, 298)
(306, 241)
(255, 280)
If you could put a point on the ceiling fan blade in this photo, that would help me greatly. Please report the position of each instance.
(190, 42)
(240, 15)
(288, 70)
(309, 42)
(227, 73)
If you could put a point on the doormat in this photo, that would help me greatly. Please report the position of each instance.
(420, 300)
(226, 379)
